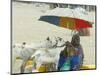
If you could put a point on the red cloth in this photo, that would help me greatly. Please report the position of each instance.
(79, 23)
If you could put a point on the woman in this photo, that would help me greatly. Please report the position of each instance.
(67, 57)
(76, 43)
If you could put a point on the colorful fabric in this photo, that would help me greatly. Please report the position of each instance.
(51, 19)
(66, 66)
(80, 54)
(42, 68)
(72, 62)
(75, 60)
(64, 63)
(67, 22)
(46, 67)
(62, 60)
(82, 24)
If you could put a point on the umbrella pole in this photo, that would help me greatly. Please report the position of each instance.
(74, 32)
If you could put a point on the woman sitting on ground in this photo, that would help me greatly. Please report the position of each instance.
(76, 43)
(68, 58)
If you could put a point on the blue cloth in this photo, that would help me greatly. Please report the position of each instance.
(62, 60)
(66, 66)
(51, 19)
(75, 63)
(80, 55)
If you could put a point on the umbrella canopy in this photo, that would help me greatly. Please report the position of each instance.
(66, 22)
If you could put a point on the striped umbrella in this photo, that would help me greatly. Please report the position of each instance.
(66, 22)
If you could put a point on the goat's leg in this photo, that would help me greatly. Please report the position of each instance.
(23, 66)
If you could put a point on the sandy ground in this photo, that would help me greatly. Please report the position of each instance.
(26, 27)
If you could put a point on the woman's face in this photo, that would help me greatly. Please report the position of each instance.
(76, 40)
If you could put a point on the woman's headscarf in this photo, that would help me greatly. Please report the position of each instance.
(75, 40)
